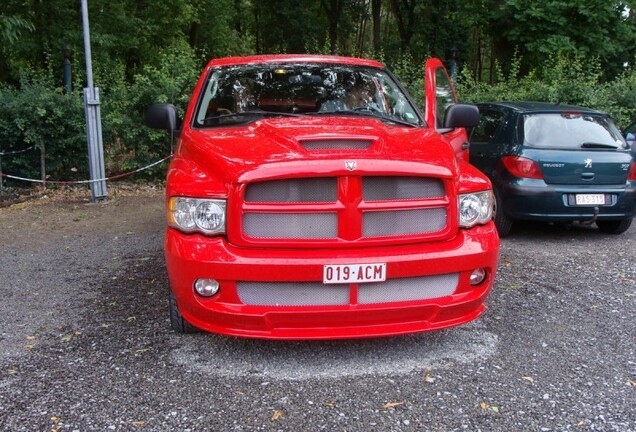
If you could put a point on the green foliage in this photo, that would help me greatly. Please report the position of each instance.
(11, 28)
(580, 52)
(561, 79)
(40, 115)
(128, 143)
(411, 75)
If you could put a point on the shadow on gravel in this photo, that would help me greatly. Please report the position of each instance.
(129, 323)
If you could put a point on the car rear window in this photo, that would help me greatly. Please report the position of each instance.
(571, 131)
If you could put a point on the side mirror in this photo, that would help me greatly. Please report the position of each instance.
(461, 115)
(162, 116)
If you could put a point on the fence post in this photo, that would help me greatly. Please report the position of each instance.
(43, 164)
(1, 177)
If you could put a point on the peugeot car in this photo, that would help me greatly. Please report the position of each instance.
(555, 163)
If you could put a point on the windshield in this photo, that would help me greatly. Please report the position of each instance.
(571, 131)
(240, 94)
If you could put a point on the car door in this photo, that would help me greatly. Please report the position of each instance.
(439, 95)
(485, 148)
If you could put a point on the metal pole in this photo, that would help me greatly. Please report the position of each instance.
(87, 45)
(93, 119)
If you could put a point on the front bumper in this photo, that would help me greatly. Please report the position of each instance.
(530, 199)
(192, 256)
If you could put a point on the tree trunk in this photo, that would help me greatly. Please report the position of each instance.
(333, 16)
(404, 12)
(377, 23)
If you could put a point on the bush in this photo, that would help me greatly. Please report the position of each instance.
(561, 79)
(40, 115)
(128, 143)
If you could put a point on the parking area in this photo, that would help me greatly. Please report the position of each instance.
(86, 342)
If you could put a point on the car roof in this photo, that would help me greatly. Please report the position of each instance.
(294, 58)
(543, 107)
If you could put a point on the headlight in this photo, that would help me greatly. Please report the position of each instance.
(192, 214)
(475, 208)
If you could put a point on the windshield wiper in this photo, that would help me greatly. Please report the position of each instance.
(592, 145)
(252, 113)
(365, 112)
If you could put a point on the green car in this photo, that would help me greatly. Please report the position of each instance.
(555, 163)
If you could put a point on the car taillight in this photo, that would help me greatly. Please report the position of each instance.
(632, 173)
(522, 167)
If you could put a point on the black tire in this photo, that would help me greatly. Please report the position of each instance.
(502, 221)
(177, 322)
(614, 226)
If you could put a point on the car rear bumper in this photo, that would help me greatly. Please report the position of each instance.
(367, 310)
(535, 200)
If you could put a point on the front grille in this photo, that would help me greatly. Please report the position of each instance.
(301, 190)
(401, 188)
(403, 222)
(339, 210)
(290, 225)
(317, 294)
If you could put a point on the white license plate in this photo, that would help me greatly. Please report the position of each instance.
(353, 273)
(590, 199)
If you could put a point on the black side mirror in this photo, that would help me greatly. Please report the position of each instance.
(162, 116)
(461, 115)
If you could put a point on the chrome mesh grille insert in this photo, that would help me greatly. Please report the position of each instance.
(291, 225)
(401, 188)
(299, 190)
(403, 222)
(407, 289)
(336, 144)
(292, 294)
(317, 294)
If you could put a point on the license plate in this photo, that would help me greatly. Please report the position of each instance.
(353, 273)
(590, 199)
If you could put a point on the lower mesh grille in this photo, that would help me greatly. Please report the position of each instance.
(408, 289)
(317, 294)
(292, 294)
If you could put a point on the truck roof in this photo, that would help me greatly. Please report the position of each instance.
(294, 58)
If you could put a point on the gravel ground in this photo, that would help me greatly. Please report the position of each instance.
(86, 343)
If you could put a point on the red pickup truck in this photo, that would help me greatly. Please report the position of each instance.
(309, 198)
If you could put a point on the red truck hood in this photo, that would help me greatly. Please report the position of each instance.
(274, 148)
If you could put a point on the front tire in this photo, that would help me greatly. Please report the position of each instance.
(614, 226)
(177, 322)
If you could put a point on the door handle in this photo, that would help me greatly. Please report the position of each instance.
(466, 145)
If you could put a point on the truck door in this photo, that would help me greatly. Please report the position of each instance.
(439, 95)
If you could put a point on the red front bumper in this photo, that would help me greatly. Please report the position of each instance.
(189, 257)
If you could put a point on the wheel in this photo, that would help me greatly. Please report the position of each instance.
(177, 322)
(614, 226)
(502, 221)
